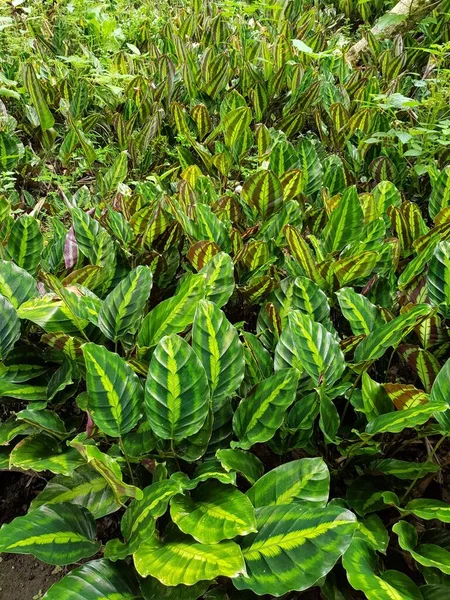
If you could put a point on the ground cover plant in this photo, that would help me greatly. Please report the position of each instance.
(225, 296)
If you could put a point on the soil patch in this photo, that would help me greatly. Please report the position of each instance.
(22, 577)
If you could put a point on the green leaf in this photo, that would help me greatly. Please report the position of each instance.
(305, 481)
(176, 390)
(9, 327)
(360, 562)
(438, 278)
(183, 561)
(310, 167)
(174, 314)
(389, 334)
(10, 152)
(97, 580)
(43, 453)
(36, 93)
(26, 243)
(215, 512)
(216, 343)
(440, 195)
(428, 555)
(294, 547)
(245, 463)
(263, 192)
(114, 391)
(121, 311)
(16, 284)
(428, 509)
(345, 222)
(358, 310)
(152, 589)
(307, 345)
(261, 413)
(138, 522)
(11, 428)
(440, 392)
(219, 279)
(85, 487)
(58, 535)
(403, 469)
(395, 422)
(45, 420)
(108, 468)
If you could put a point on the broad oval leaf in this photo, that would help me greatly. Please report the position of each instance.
(16, 284)
(438, 278)
(186, 562)
(176, 390)
(216, 342)
(294, 547)
(25, 243)
(43, 453)
(115, 394)
(306, 481)
(245, 463)
(97, 580)
(121, 311)
(308, 346)
(58, 535)
(261, 413)
(215, 512)
(358, 310)
(84, 487)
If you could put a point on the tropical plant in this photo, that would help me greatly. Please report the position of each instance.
(225, 298)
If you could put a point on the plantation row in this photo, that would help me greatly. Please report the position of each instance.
(225, 297)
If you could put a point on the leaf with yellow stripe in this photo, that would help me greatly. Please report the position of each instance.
(42, 452)
(362, 315)
(180, 560)
(345, 222)
(58, 535)
(216, 343)
(115, 393)
(361, 563)
(263, 192)
(405, 395)
(353, 268)
(201, 253)
(214, 512)
(85, 487)
(25, 243)
(305, 481)
(440, 195)
(390, 334)
(177, 396)
(262, 411)
(309, 347)
(395, 422)
(9, 326)
(174, 314)
(302, 253)
(294, 547)
(438, 278)
(121, 311)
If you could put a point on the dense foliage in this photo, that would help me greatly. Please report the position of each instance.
(225, 297)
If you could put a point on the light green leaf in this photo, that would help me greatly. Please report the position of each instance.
(306, 481)
(215, 512)
(43, 453)
(245, 463)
